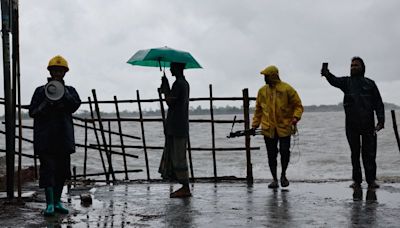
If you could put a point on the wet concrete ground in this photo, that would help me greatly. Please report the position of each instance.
(329, 204)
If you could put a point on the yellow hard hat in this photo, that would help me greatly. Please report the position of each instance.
(270, 70)
(58, 60)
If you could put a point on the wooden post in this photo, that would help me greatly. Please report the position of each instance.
(9, 99)
(35, 165)
(189, 149)
(85, 158)
(96, 105)
(246, 113)
(98, 141)
(121, 138)
(213, 134)
(163, 157)
(109, 144)
(17, 84)
(161, 107)
(396, 133)
(143, 135)
(74, 173)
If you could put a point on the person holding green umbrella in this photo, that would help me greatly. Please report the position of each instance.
(174, 164)
(163, 57)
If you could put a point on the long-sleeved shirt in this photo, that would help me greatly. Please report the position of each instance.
(361, 100)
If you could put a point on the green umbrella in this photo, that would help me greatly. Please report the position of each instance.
(162, 57)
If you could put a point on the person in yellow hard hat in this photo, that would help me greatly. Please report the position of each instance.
(278, 109)
(54, 135)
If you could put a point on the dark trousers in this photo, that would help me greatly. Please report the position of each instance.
(364, 143)
(272, 150)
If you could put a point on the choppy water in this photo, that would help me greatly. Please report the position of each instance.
(321, 151)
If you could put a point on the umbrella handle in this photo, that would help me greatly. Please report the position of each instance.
(159, 64)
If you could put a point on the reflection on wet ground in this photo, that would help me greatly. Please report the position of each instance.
(363, 213)
(330, 204)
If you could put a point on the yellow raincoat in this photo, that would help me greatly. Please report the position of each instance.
(276, 106)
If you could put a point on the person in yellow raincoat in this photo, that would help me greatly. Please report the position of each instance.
(278, 109)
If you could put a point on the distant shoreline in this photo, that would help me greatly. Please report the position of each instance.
(217, 111)
(229, 110)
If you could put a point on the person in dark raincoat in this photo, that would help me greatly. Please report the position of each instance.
(361, 100)
(174, 164)
(54, 135)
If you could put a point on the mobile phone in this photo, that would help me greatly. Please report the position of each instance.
(324, 66)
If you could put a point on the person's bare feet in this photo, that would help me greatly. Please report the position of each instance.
(284, 181)
(181, 193)
(373, 185)
(355, 185)
(273, 184)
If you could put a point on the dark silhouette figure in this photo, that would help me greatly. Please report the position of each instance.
(54, 135)
(174, 164)
(361, 100)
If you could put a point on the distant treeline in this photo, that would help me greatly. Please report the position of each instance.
(217, 111)
(339, 107)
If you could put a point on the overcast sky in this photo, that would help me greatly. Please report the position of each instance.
(232, 39)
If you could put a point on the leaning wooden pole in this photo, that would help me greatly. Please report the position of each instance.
(98, 141)
(143, 135)
(246, 113)
(163, 122)
(86, 149)
(189, 149)
(121, 138)
(396, 133)
(161, 107)
(108, 154)
(213, 133)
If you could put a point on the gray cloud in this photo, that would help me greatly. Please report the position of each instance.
(232, 39)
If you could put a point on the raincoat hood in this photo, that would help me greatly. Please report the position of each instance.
(272, 73)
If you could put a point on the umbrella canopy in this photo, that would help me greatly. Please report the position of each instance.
(162, 57)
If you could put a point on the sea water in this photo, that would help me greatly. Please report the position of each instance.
(319, 152)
